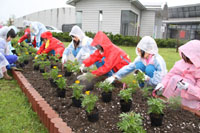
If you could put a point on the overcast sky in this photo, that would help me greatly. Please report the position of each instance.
(23, 7)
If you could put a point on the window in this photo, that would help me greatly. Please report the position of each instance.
(128, 23)
(100, 24)
(79, 18)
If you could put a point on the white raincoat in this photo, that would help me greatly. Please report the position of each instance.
(3, 64)
(83, 50)
(148, 45)
(6, 47)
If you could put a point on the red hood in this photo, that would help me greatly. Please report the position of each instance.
(47, 35)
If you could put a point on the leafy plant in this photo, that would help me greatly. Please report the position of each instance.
(45, 75)
(36, 63)
(53, 59)
(20, 59)
(126, 94)
(146, 91)
(156, 106)
(54, 73)
(140, 77)
(89, 102)
(61, 82)
(130, 123)
(77, 90)
(44, 63)
(72, 66)
(105, 86)
(175, 102)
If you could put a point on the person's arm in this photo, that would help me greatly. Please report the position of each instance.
(24, 37)
(41, 49)
(68, 49)
(96, 56)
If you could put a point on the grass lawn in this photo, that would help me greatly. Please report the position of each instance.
(16, 115)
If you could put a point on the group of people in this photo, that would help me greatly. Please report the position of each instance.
(182, 80)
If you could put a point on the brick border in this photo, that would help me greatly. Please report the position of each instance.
(196, 112)
(46, 114)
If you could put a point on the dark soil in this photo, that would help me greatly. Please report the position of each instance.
(174, 121)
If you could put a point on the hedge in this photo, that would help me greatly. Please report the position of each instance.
(123, 40)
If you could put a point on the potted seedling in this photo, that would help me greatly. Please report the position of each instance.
(77, 93)
(140, 79)
(126, 99)
(89, 101)
(26, 58)
(44, 64)
(45, 75)
(107, 91)
(54, 60)
(21, 61)
(130, 123)
(53, 76)
(36, 65)
(61, 83)
(155, 110)
(71, 67)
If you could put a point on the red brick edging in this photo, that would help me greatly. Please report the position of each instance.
(47, 115)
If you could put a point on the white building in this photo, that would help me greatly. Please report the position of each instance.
(126, 17)
(52, 17)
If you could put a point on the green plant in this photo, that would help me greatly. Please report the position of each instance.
(175, 102)
(54, 59)
(20, 59)
(146, 91)
(72, 66)
(130, 123)
(44, 63)
(45, 75)
(140, 77)
(77, 90)
(156, 106)
(54, 73)
(126, 94)
(89, 102)
(61, 82)
(107, 87)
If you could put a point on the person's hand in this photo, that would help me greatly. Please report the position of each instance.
(19, 43)
(182, 85)
(82, 77)
(110, 80)
(82, 67)
(146, 78)
(32, 38)
(64, 59)
(159, 87)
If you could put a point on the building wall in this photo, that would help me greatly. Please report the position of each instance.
(158, 33)
(111, 14)
(52, 17)
(147, 23)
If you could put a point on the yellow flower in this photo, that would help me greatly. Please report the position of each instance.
(134, 81)
(59, 76)
(35, 57)
(54, 67)
(87, 92)
(27, 53)
(77, 82)
(19, 54)
(42, 59)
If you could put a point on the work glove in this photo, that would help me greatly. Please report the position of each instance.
(159, 88)
(64, 59)
(110, 80)
(83, 76)
(82, 68)
(182, 85)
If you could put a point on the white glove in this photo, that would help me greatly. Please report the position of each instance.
(110, 80)
(182, 85)
(64, 59)
(159, 87)
(82, 77)
(82, 67)
(32, 38)
(19, 44)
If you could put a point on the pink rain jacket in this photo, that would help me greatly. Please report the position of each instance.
(189, 73)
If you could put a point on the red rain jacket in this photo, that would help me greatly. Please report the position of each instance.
(27, 35)
(115, 58)
(54, 44)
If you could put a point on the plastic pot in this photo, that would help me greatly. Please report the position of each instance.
(26, 62)
(61, 92)
(93, 116)
(21, 65)
(106, 97)
(76, 103)
(156, 119)
(67, 74)
(42, 71)
(36, 67)
(53, 84)
(125, 106)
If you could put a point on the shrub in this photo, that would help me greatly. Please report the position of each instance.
(130, 123)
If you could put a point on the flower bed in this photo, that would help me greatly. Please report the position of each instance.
(174, 120)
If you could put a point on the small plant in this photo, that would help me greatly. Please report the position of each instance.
(54, 59)
(54, 73)
(146, 91)
(130, 123)
(45, 75)
(44, 63)
(20, 59)
(175, 102)
(61, 82)
(72, 66)
(126, 94)
(77, 89)
(156, 106)
(140, 77)
(89, 102)
(105, 86)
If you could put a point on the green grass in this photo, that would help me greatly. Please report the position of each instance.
(16, 115)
